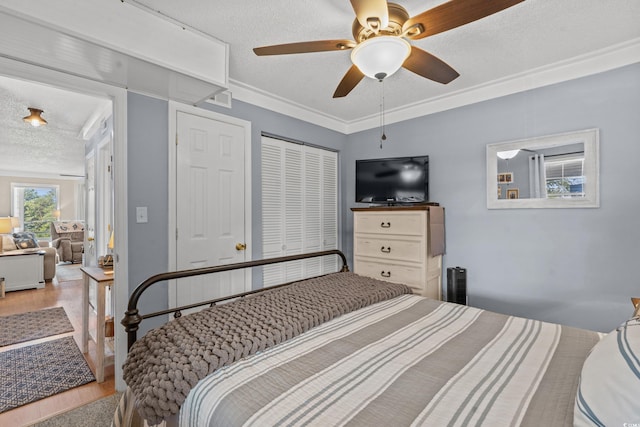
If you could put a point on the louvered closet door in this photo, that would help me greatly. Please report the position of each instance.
(312, 210)
(282, 216)
(299, 211)
(329, 208)
(272, 209)
(320, 209)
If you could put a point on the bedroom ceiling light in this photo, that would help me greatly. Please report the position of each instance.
(509, 154)
(34, 119)
(379, 57)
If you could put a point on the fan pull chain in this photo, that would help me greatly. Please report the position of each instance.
(383, 137)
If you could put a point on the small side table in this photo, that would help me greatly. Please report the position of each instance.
(102, 281)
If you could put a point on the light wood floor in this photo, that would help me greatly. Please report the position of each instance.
(67, 294)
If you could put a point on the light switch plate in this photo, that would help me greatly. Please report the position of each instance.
(141, 215)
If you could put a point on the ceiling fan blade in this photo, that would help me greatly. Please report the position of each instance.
(305, 47)
(372, 14)
(426, 65)
(451, 15)
(348, 82)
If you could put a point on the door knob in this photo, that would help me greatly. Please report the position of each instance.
(90, 239)
(240, 246)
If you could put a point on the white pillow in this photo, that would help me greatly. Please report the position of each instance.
(610, 380)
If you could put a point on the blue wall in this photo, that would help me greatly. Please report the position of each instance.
(572, 266)
(147, 185)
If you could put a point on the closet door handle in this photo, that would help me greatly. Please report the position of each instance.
(385, 225)
(385, 250)
(385, 274)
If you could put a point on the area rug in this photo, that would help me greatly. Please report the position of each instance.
(33, 325)
(37, 371)
(67, 272)
(94, 414)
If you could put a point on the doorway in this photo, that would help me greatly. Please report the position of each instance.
(32, 73)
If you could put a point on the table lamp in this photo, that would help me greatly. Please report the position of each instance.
(6, 227)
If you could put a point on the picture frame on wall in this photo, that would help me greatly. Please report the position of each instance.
(505, 177)
(513, 193)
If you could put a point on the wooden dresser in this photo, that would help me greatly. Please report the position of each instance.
(394, 244)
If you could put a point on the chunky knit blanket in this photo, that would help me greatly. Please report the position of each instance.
(168, 361)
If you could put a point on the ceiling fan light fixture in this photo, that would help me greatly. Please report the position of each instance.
(34, 118)
(379, 57)
(508, 155)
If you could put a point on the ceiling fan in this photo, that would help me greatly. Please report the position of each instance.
(381, 31)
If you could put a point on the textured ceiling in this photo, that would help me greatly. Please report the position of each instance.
(529, 35)
(52, 150)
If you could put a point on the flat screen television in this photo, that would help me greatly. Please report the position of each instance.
(400, 180)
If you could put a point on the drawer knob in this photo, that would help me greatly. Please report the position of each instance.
(385, 250)
(385, 224)
(385, 274)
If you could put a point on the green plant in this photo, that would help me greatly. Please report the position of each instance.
(39, 210)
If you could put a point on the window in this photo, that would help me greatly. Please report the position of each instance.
(565, 175)
(36, 205)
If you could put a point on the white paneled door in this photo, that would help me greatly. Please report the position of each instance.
(210, 205)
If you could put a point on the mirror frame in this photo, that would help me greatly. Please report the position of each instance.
(591, 140)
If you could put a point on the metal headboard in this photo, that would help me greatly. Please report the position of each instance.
(132, 317)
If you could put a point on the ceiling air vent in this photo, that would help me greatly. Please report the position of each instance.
(222, 99)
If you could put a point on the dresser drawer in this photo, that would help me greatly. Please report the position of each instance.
(391, 223)
(390, 272)
(390, 249)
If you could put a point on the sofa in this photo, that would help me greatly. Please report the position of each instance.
(26, 241)
(68, 239)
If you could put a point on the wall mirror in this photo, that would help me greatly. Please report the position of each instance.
(555, 171)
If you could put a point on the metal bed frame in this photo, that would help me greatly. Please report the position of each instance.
(132, 317)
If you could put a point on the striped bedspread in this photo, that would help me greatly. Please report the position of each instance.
(403, 362)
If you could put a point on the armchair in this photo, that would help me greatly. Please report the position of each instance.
(68, 239)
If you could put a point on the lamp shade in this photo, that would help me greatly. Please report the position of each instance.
(6, 225)
(34, 118)
(380, 57)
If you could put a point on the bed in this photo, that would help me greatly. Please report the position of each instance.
(343, 349)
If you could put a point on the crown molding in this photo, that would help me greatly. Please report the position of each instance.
(599, 61)
(278, 104)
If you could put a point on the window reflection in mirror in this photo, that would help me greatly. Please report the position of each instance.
(552, 171)
(555, 172)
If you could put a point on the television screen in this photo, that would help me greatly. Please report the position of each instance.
(393, 181)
